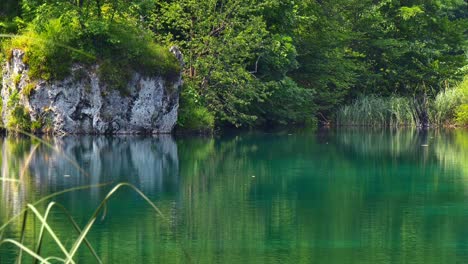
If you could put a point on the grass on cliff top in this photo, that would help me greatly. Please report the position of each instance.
(119, 46)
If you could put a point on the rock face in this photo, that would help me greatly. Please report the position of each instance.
(81, 104)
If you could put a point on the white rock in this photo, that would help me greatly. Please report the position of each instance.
(89, 107)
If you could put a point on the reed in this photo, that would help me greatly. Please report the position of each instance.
(372, 110)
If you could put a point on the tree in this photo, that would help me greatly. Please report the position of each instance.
(412, 46)
(233, 60)
(328, 64)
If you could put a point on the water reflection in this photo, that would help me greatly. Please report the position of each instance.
(150, 163)
(15, 157)
(334, 196)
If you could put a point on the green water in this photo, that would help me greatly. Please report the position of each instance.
(292, 197)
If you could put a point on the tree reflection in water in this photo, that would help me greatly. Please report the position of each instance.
(348, 196)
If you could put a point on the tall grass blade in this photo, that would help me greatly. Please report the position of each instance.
(49, 197)
(23, 229)
(54, 258)
(75, 226)
(92, 220)
(52, 233)
(25, 249)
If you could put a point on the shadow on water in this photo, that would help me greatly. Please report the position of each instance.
(334, 196)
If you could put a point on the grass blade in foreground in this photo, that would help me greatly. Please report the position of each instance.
(51, 196)
(51, 232)
(88, 227)
(75, 226)
(25, 249)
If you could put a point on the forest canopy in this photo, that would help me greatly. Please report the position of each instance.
(254, 62)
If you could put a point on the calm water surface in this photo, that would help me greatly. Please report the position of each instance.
(294, 197)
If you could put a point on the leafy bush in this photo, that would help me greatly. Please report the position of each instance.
(16, 79)
(287, 103)
(36, 126)
(19, 119)
(449, 107)
(193, 116)
(461, 112)
(444, 106)
(461, 115)
(29, 88)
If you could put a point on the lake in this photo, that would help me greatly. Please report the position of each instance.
(327, 196)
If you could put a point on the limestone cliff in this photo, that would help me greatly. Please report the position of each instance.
(82, 104)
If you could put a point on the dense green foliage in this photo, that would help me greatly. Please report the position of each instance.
(261, 62)
(19, 118)
(461, 111)
(56, 35)
(448, 104)
(194, 116)
(412, 46)
(235, 62)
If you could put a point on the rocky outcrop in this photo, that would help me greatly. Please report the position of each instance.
(82, 104)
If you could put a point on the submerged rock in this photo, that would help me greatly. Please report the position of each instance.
(81, 103)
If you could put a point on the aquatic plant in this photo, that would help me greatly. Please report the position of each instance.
(372, 110)
(448, 108)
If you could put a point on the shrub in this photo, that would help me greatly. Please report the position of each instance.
(444, 106)
(29, 88)
(19, 119)
(287, 103)
(16, 79)
(449, 107)
(193, 116)
(461, 115)
(36, 125)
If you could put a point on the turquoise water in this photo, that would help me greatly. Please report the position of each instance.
(345, 196)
